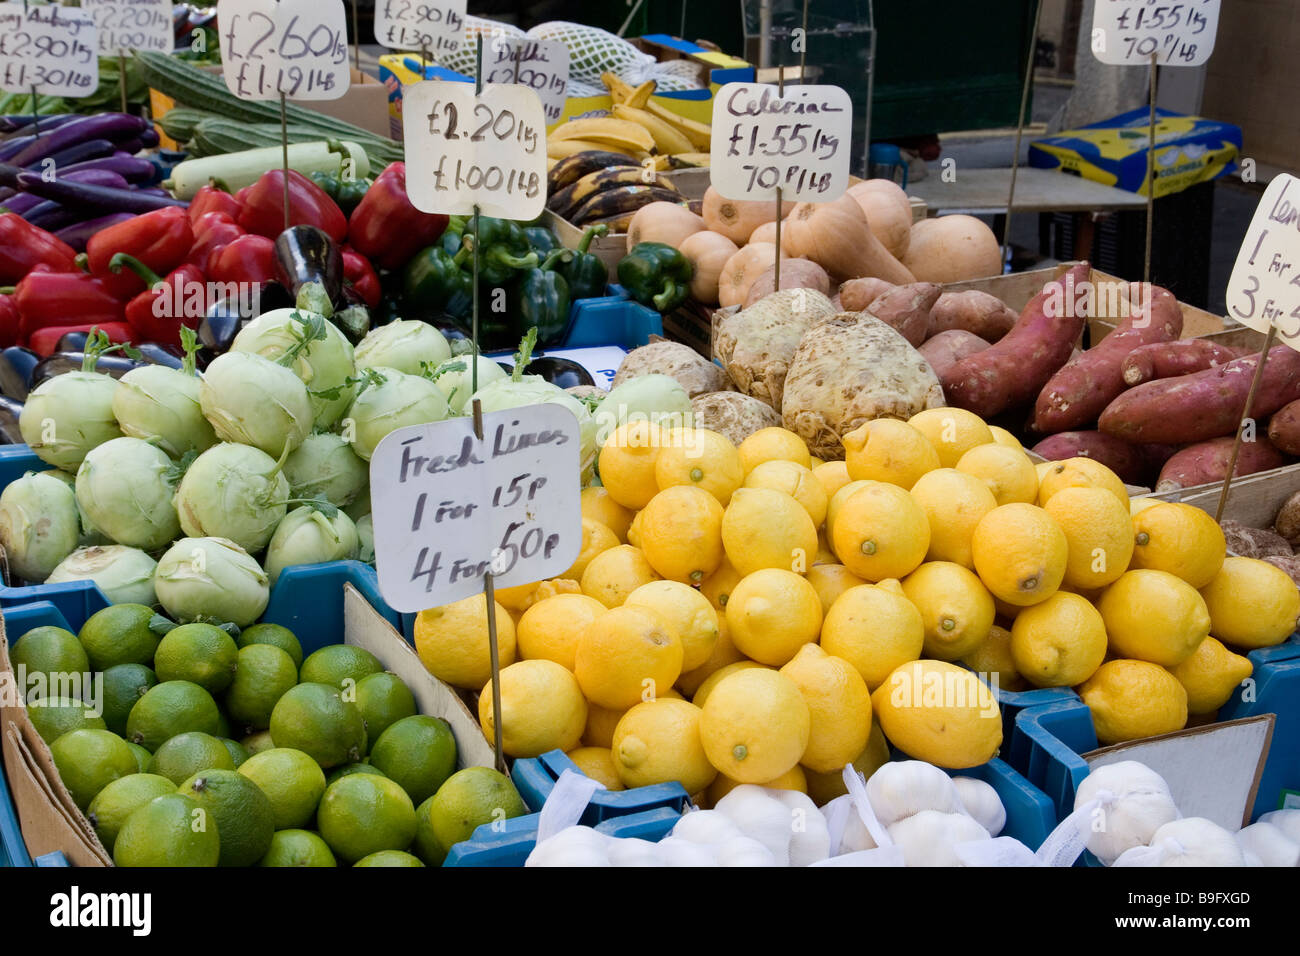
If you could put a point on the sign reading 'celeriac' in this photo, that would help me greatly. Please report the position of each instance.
(295, 47)
(50, 49)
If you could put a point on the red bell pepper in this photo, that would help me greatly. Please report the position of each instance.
(213, 231)
(160, 239)
(247, 259)
(47, 299)
(361, 275)
(213, 199)
(46, 341)
(156, 314)
(23, 247)
(10, 322)
(309, 205)
(386, 227)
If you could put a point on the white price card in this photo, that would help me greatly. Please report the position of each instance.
(1127, 32)
(448, 507)
(540, 65)
(434, 25)
(1264, 288)
(49, 48)
(127, 26)
(798, 142)
(295, 47)
(464, 150)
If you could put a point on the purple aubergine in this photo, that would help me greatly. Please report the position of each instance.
(9, 175)
(7, 192)
(10, 412)
(96, 197)
(80, 153)
(78, 234)
(130, 168)
(16, 366)
(111, 126)
(51, 216)
(20, 124)
(149, 137)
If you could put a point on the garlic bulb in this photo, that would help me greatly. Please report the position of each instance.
(981, 802)
(810, 839)
(675, 852)
(1269, 844)
(630, 851)
(1138, 804)
(760, 815)
(706, 827)
(928, 838)
(1191, 841)
(573, 846)
(902, 788)
(1288, 821)
(744, 851)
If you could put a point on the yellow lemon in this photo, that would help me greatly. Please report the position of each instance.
(659, 742)
(595, 539)
(717, 586)
(700, 458)
(825, 554)
(598, 764)
(453, 641)
(1251, 603)
(992, 658)
(712, 681)
(881, 532)
(1154, 616)
(627, 463)
(542, 708)
(627, 655)
(839, 706)
(793, 779)
(772, 613)
(875, 629)
(1098, 536)
(724, 652)
(1180, 539)
(1079, 473)
(599, 506)
(1137, 505)
(762, 528)
(1060, 642)
(843, 494)
(634, 530)
(1131, 699)
(1003, 437)
(549, 630)
(688, 611)
(825, 787)
(885, 449)
(892, 585)
(833, 475)
(755, 725)
(940, 713)
(681, 534)
(830, 581)
(1041, 469)
(1211, 675)
(956, 608)
(521, 597)
(601, 722)
(614, 574)
(769, 444)
(1007, 471)
(1020, 554)
(796, 481)
(952, 432)
(954, 503)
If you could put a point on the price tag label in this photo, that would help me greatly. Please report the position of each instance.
(463, 150)
(52, 49)
(540, 65)
(1127, 32)
(434, 25)
(798, 142)
(295, 47)
(1264, 288)
(126, 26)
(448, 508)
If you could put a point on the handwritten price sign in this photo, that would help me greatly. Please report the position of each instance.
(434, 25)
(1265, 286)
(295, 47)
(798, 142)
(540, 65)
(126, 26)
(448, 508)
(52, 49)
(1126, 32)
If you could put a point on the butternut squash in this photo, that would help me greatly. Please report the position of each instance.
(953, 249)
(888, 212)
(738, 218)
(767, 233)
(708, 252)
(835, 235)
(742, 270)
(665, 222)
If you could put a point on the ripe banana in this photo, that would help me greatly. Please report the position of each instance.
(621, 92)
(688, 160)
(562, 148)
(572, 168)
(664, 136)
(623, 134)
(621, 199)
(567, 200)
(700, 134)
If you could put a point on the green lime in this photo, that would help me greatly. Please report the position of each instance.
(256, 743)
(426, 845)
(363, 814)
(263, 673)
(45, 660)
(383, 700)
(117, 801)
(418, 752)
(142, 757)
(315, 719)
(122, 634)
(336, 663)
(298, 848)
(291, 780)
(388, 858)
(223, 724)
(350, 768)
(170, 708)
(276, 636)
(55, 716)
(89, 760)
(242, 812)
(124, 684)
(182, 756)
(238, 752)
(203, 654)
(171, 830)
(470, 798)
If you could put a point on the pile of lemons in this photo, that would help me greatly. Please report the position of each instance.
(749, 614)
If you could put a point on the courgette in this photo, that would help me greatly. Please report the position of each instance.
(237, 170)
(179, 122)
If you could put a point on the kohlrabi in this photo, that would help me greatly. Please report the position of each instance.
(125, 575)
(213, 579)
(454, 378)
(321, 356)
(90, 535)
(325, 466)
(67, 415)
(310, 535)
(39, 524)
(656, 398)
(366, 537)
(160, 403)
(126, 488)
(389, 400)
(404, 344)
(235, 492)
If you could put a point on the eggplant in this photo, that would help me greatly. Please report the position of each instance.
(73, 156)
(7, 193)
(51, 216)
(102, 126)
(78, 234)
(9, 175)
(11, 148)
(96, 197)
(20, 124)
(353, 322)
(10, 411)
(156, 354)
(225, 317)
(16, 367)
(129, 167)
(305, 254)
(60, 362)
(561, 372)
(148, 137)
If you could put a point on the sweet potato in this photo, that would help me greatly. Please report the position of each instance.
(795, 274)
(1013, 370)
(857, 294)
(1130, 462)
(1287, 522)
(1203, 405)
(906, 309)
(1082, 389)
(1254, 542)
(1291, 565)
(973, 311)
(1284, 428)
(946, 349)
(1207, 461)
(1171, 359)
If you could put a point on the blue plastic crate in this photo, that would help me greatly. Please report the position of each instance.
(612, 320)
(535, 778)
(1031, 816)
(511, 845)
(1277, 691)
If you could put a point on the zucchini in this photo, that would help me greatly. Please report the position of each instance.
(237, 170)
(179, 122)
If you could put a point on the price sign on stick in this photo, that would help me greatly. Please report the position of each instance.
(464, 151)
(436, 26)
(797, 141)
(50, 50)
(298, 48)
(1129, 32)
(540, 65)
(449, 507)
(126, 26)
(1264, 289)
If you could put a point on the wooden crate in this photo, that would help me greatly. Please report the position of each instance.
(1253, 500)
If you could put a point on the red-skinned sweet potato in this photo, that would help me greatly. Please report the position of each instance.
(946, 349)
(1284, 428)
(1130, 462)
(906, 309)
(972, 311)
(856, 294)
(1171, 359)
(1207, 461)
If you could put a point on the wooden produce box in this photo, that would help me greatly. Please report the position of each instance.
(1254, 500)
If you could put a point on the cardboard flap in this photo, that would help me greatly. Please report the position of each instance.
(46, 825)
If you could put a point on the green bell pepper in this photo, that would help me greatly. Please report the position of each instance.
(435, 282)
(541, 239)
(542, 298)
(586, 274)
(503, 249)
(656, 275)
(452, 235)
(347, 193)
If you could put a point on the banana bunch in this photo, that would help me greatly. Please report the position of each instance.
(601, 186)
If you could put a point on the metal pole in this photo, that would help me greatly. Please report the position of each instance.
(1151, 197)
(284, 145)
